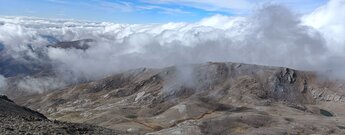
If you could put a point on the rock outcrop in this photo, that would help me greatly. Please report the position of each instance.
(78, 44)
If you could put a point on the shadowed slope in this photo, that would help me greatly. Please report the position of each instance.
(15, 119)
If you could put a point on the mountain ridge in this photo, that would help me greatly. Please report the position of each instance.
(198, 98)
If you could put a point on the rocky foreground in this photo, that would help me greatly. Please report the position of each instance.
(17, 120)
(211, 98)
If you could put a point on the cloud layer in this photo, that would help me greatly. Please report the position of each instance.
(330, 21)
(272, 36)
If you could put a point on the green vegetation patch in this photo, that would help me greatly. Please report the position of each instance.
(326, 113)
(132, 116)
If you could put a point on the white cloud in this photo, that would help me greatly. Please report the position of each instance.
(239, 6)
(124, 6)
(170, 11)
(272, 36)
(118, 6)
(330, 20)
(223, 22)
(40, 84)
(208, 4)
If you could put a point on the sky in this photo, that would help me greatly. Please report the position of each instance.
(144, 11)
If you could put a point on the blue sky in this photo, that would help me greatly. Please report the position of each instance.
(142, 11)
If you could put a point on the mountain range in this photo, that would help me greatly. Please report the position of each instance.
(208, 98)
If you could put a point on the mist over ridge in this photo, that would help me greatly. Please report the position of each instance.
(273, 35)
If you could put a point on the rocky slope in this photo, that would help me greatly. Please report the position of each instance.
(211, 98)
(19, 120)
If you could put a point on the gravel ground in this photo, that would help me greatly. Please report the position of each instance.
(17, 120)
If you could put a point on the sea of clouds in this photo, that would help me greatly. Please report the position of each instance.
(273, 35)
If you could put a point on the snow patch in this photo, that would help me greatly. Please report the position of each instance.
(139, 95)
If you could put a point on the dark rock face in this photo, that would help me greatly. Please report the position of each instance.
(15, 119)
(3, 97)
(8, 107)
(290, 86)
(78, 44)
